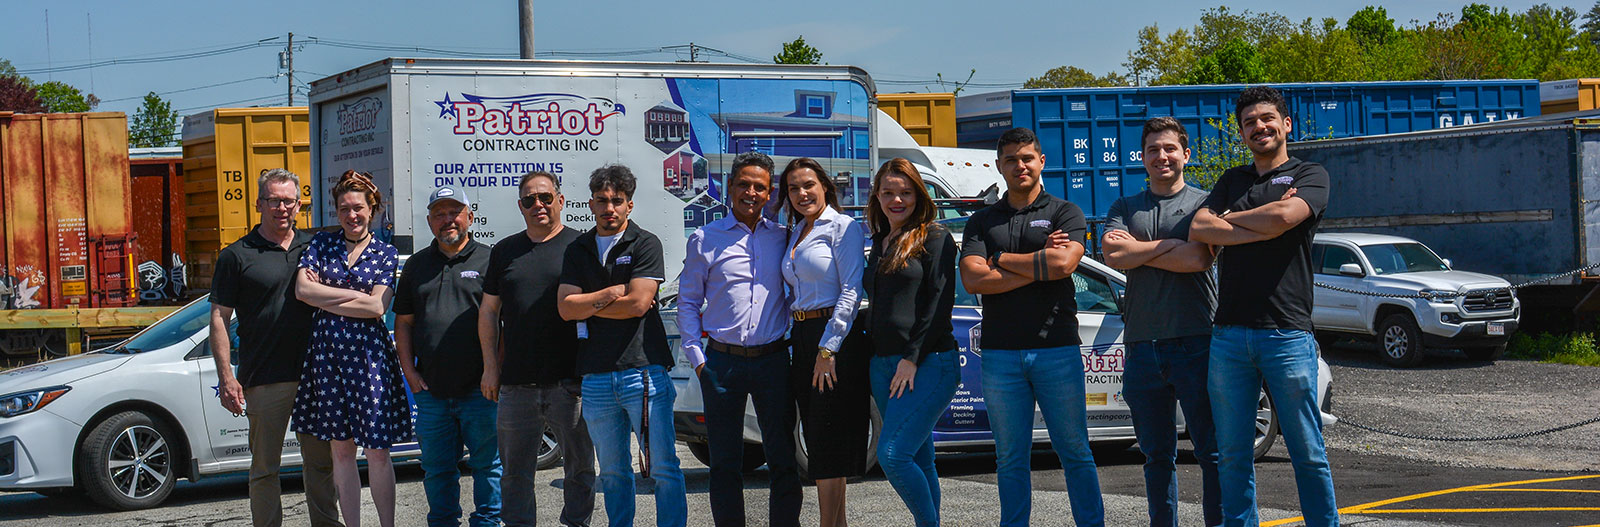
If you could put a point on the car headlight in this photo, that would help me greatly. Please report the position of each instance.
(1440, 297)
(15, 404)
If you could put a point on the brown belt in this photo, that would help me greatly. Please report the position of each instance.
(749, 352)
(802, 316)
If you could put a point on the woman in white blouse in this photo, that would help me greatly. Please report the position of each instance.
(823, 267)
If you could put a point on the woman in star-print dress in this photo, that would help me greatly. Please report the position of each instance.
(351, 390)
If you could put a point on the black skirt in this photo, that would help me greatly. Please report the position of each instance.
(835, 422)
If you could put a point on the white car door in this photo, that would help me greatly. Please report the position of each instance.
(1100, 327)
(1334, 309)
(229, 434)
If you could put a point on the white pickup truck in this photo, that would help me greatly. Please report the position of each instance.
(1452, 309)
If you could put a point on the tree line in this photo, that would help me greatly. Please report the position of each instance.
(1246, 47)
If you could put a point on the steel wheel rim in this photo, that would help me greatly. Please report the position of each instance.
(1263, 417)
(139, 462)
(1396, 341)
(547, 443)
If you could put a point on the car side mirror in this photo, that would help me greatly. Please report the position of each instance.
(1352, 270)
(1447, 263)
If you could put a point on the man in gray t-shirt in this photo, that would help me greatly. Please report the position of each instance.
(1172, 295)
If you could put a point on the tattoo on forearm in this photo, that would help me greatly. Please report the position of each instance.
(1041, 272)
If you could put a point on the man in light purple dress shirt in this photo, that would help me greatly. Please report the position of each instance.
(731, 289)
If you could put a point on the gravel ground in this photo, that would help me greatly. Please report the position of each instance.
(1448, 395)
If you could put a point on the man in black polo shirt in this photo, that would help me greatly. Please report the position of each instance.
(255, 275)
(1013, 253)
(436, 336)
(1264, 214)
(609, 279)
(530, 358)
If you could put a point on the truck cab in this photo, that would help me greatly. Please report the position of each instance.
(1401, 293)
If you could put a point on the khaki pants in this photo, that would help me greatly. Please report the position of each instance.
(268, 407)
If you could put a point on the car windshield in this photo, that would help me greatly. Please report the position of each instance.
(171, 330)
(1395, 258)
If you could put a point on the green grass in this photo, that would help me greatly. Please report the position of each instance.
(1565, 348)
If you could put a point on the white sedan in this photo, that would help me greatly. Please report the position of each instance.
(124, 423)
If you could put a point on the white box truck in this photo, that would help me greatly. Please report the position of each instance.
(478, 125)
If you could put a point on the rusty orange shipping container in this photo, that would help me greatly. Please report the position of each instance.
(65, 227)
(156, 182)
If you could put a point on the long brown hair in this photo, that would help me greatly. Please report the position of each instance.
(353, 181)
(830, 192)
(910, 242)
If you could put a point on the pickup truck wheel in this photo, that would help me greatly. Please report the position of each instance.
(1401, 340)
(1488, 353)
(128, 462)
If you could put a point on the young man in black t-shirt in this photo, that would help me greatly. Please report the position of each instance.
(609, 279)
(1263, 215)
(255, 276)
(1020, 254)
(436, 337)
(530, 358)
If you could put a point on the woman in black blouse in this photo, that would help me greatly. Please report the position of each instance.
(910, 281)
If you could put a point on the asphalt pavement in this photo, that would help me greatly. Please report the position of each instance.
(1551, 479)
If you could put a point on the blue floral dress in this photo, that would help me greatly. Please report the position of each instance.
(351, 386)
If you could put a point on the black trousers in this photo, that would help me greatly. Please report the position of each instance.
(725, 384)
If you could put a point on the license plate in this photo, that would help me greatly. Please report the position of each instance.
(1497, 329)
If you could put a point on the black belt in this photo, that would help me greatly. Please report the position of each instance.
(749, 351)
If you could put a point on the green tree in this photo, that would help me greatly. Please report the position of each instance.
(1316, 52)
(1371, 26)
(1236, 62)
(1220, 26)
(60, 97)
(7, 70)
(1161, 60)
(1074, 77)
(155, 124)
(1591, 24)
(798, 52)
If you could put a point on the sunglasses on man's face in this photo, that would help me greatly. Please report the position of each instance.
(530, 200)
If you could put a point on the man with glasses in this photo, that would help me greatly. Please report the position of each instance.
(255, 275)
(609, 279)
(530, 358)
(436, 336)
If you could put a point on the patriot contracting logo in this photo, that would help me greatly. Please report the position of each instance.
(359, 116)
(558, 114)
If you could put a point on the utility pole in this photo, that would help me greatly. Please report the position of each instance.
(288, 58)
(525, 9)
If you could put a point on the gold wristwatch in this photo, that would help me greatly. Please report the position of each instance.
(824, 353)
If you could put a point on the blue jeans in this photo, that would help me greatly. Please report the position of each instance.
(727, 382)
(1286, 359)
(444, 427)
(1161, 376)
(612, 407)
(1013, 381)
(905, 448)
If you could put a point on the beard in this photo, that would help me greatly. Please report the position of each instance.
(453, 238)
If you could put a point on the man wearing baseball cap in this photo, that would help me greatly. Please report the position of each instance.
(436, 334)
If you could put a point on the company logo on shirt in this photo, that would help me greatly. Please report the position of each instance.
(624, 259)
(469, 274)
(1039, 223)
(1283, 180)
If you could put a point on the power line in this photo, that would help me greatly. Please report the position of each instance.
(120, 99)
(149, 60)
(230, 103)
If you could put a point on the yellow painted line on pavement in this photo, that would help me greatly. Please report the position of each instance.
(1535, 490)
(1366, 507)
(1505, 509)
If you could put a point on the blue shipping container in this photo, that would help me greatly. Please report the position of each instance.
(1091, 135)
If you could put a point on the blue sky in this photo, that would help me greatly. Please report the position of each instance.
(902, 44)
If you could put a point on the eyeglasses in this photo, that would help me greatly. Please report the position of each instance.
(614, 202)
(530, 200)
(280, 203)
